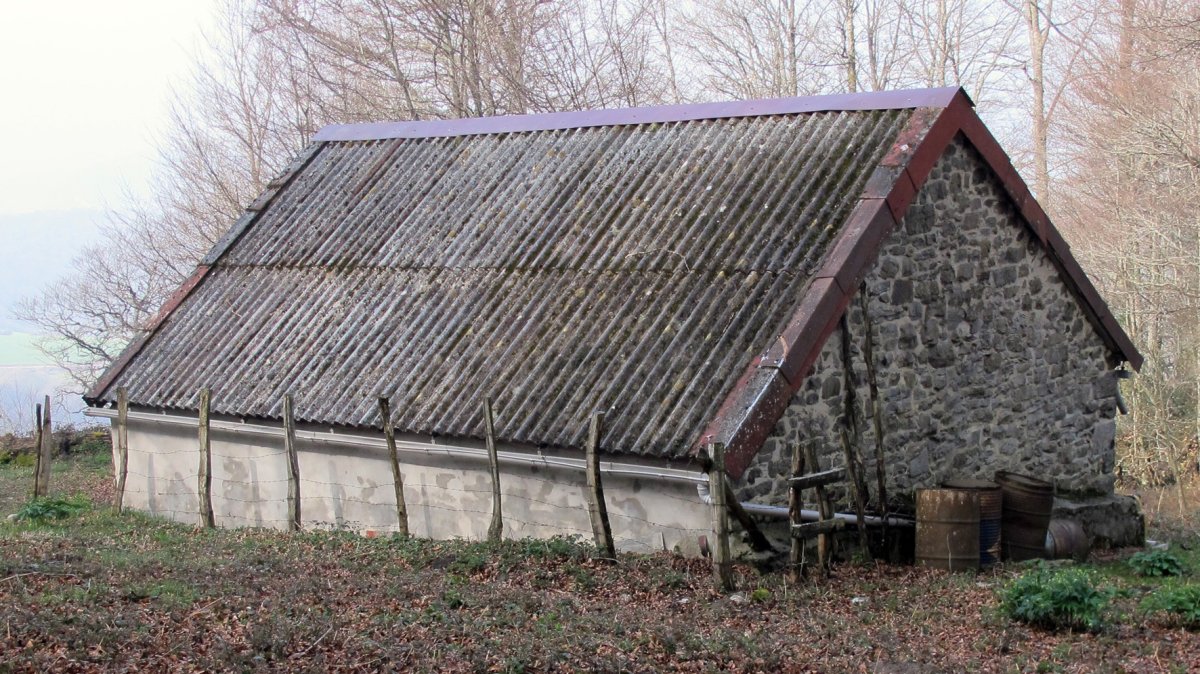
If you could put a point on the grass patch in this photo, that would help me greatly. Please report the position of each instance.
(117, 592)
(170, 593)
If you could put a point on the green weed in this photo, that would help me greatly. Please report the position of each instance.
(44, 510)
(1181, 603)
(1056, 599)
(1156, 564)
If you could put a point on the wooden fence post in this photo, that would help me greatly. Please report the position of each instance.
(45, 451)
(37, 451)
(389, 434)
(293, 464)
(597, 510)
(824, 508)
(496, 528)
(122, 438)
(720, 517)
(204, 487)
(757, 539)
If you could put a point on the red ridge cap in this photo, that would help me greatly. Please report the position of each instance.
(874, 100)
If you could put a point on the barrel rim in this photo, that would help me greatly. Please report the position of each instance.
(971, 483)
(1021, 480)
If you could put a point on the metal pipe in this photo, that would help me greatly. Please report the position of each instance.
(431, 448)
(782, 512)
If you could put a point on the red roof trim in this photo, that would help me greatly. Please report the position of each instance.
(878, 100)
(1094, 306)
(757, 402)
(206, 264)
(136, 345)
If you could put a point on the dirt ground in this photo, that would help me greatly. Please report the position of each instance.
(100, 591)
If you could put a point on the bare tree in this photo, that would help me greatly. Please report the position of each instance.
(232, 129)
(1132, 199)
(760, 48)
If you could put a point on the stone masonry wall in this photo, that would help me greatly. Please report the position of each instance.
(984, 359)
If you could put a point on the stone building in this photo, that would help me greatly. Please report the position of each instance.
(760, 274)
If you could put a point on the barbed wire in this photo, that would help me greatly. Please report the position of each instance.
(516, 525)
(628, 543)
(226, 480)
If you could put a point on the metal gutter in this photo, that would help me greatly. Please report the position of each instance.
(433, 448)
(430, 448)
(782, 512)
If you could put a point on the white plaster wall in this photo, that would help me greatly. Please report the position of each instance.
(351, 488)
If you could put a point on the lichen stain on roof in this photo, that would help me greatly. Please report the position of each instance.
(635, 268)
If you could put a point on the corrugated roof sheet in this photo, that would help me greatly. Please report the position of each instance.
(637, 268)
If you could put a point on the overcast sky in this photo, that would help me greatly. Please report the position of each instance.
(84, 93)
(84, 89)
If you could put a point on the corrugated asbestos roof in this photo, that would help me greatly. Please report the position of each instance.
(637, 267)
(632, 268)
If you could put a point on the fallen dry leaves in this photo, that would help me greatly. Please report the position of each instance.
(129, 593)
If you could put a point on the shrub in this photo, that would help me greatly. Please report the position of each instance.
(556, 547)
(18, 459)
(46, 509)
(1156, 564)
(1056, 599)
(1180, 602)
(95, 442)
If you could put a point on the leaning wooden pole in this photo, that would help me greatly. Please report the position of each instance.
(496, 528)
(293, 464)
(597, 510)
(389, 435)
(757, 539)
(720, 517)
(122, 438)
(881, 499)
(37, 451)
(850, 440)
(45, 451)
(795, 505)
(204, 478)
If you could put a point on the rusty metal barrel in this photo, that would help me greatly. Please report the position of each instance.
(1066, 539)
(948, 529)
(1027, 505)
(991, 507)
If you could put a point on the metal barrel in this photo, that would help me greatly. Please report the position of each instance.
(991, 507)
(948, 529)
(1026, 517)
(1066, 539)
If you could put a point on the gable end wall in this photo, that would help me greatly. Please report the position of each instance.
(985, 360)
